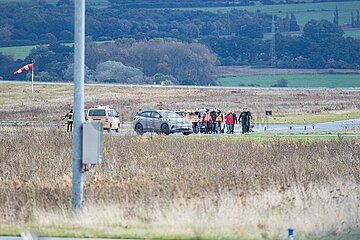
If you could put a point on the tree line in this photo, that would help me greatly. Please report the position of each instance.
(322, 45)
(125, 61)
(40, 23)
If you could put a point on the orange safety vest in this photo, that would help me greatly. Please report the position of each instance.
(219, 117)
(207, 117)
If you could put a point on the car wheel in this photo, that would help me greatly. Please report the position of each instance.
(186, 133)
(139, 129)
(118, 128)
(109, 129)
(165, 129)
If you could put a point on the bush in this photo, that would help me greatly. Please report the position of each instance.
(281, 83)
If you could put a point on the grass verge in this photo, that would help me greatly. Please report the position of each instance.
(161, 187)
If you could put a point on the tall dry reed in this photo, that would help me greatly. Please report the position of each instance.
(185, 185)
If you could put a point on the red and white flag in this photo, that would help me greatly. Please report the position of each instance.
(24, 68)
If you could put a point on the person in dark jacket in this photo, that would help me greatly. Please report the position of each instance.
(70, 119)
(243, 120)
(213, 121)
(235, 120)
(248, 120)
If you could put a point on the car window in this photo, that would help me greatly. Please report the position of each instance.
(97, 112)
(145, 114)
(170, 115)
(156, 115)
(110, 113)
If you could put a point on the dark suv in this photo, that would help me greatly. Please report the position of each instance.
(161, 121)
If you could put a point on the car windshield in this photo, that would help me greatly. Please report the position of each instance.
(97, 112)
(170, 115)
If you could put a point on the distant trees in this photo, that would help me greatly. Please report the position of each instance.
(191, 64)
(116, 72)
(42, 23)
(355, 22)
(322, 45)
(322, 30)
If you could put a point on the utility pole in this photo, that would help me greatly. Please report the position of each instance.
(272, 52)
(79, 75)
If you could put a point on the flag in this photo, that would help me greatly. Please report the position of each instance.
(24, 68)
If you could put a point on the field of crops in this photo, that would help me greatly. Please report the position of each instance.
(296, 80)
(304, 12)
(182, 187)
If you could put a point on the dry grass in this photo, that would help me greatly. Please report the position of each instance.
(51, 102)
(170, 186)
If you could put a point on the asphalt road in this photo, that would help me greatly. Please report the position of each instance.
(351, 126)
(320, 129)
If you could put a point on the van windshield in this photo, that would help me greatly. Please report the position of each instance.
(97, 112)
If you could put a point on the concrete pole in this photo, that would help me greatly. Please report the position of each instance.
(79, 75)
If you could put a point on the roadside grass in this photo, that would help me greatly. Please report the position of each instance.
(304, 12)
(307, 118)
(52, 102)
(296, 80)
(187, 188)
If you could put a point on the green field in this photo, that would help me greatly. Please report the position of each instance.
(304, 12)
(18, 52)
(95, 3)
(353, 33)
(296, 80)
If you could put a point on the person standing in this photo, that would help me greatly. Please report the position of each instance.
(194, 117)
(235, 120)
(243, 120)
(213, 121)
(219, 120)
(229, 122)
(206, 119)
(248, 120)
(70, 119)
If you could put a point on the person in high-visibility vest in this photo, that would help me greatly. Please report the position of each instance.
(194, 118)
(219, 120)
(70, 119)
(207, 121)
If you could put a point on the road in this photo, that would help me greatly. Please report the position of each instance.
(351, 126)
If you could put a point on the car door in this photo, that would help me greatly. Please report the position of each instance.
(145, 120)
(156, 122)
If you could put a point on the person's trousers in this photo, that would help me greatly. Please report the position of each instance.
(195, 127)
(243, 127)
(69, 126)
(248, 126)
(218, 127)
(207, 127)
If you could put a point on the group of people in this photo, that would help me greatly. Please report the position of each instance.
(213, 121)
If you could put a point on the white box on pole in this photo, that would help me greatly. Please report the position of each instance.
(93, 142)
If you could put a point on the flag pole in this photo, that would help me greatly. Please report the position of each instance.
(32, 76)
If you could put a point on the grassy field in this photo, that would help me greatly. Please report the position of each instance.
(18, 52)
(51, 102)
(352, 33)
(304, 12)
(174, 187)
(297, 80)
(96, 3)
